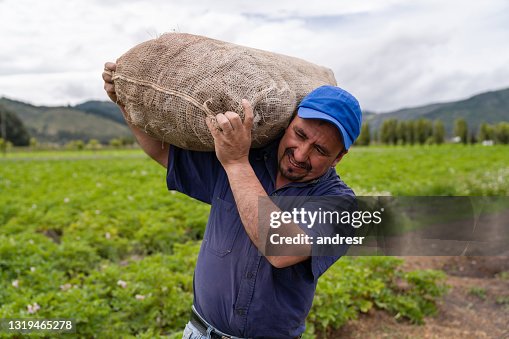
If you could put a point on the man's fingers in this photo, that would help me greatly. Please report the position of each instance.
(224, 123)
(110, 91)
(248, 114)
(107, 77)
(212, 127)
(109, 88)
(110, 66)
(234, 119)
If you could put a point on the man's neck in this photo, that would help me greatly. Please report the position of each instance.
(281, 181)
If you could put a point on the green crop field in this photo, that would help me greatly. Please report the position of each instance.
(96, 236)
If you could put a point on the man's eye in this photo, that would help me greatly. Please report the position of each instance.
(320, 150)
(300, 135)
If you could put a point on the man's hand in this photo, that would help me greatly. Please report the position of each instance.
(156, 149)
(232, 137)
(109, 86)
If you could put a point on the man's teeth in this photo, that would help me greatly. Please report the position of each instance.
(294, 163)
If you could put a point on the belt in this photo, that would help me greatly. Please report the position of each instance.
(202, 326)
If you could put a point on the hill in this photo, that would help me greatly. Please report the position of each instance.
(105, 109)
(62, 124)
(103, 120)
(491, 107)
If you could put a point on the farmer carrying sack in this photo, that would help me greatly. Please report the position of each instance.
(169, 86)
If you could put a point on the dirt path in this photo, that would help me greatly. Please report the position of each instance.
(476, 306)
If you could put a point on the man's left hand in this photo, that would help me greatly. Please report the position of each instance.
(232, 137)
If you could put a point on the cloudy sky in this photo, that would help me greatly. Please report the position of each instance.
(389, 53)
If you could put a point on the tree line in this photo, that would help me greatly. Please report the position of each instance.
(427, 132)
(391, 132)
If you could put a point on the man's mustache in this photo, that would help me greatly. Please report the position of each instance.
(304, 165)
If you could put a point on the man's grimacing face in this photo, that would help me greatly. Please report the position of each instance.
(308, 149)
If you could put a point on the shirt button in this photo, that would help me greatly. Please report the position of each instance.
(240, 312)
(249, 275)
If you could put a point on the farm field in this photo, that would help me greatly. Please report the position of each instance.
(96, 236)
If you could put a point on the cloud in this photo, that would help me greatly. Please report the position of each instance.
(53, 88)
(389, 53)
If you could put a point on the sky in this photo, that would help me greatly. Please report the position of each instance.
(390, 54)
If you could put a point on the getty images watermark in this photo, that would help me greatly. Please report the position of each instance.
(399, 226)
(321, 218)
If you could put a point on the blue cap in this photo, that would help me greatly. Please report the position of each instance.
(336, 106)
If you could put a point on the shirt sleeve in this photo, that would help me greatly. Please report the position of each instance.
(192, 173)
(321, 264)
(323, 256)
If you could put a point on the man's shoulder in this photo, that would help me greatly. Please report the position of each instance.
(331, 184)
(270, 148)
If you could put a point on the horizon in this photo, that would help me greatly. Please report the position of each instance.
(363, 110)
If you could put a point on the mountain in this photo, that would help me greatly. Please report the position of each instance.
(491, 107)
(62, 124)
(105, 109)
(103, 120)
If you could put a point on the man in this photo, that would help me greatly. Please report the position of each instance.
(237, 291)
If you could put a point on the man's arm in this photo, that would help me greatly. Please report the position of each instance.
(155, 149)
(232, 142)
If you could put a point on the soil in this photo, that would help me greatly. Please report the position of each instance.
(476, 306)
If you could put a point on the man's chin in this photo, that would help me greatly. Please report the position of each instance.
(291, 175)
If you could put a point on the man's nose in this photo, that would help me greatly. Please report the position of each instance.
(301, 153)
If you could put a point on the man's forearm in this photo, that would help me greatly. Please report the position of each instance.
(247, 190)
(154, 148)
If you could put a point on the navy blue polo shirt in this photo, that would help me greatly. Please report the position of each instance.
(235, 288)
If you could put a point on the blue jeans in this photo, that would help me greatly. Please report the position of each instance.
(191, 332)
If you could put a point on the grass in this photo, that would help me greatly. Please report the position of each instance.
(453, 170)
(75, 223)
(479, 292)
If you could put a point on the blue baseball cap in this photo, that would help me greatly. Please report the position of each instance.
(337, 106)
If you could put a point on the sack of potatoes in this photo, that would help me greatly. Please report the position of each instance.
(170, 85)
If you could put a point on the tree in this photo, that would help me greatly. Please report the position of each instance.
(461, 130)
(401, 132)
(438, 132)
(388, 132)
(502, 133)
(365, 136)
(423, 131)
(75, 145)
(117, 143)
(410, 132)
(93, 144)
(486, 132)
(12, 128)
(375, 136)
(33, 142)
(473, 138)
(5, 146)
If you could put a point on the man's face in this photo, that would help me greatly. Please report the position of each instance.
(307, 150)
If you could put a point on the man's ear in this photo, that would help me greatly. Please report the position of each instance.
(339, 157)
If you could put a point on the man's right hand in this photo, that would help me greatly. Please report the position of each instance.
(109, 86)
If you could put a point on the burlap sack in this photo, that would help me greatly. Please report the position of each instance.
(169, 85)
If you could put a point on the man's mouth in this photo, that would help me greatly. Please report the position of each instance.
(295, 163)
